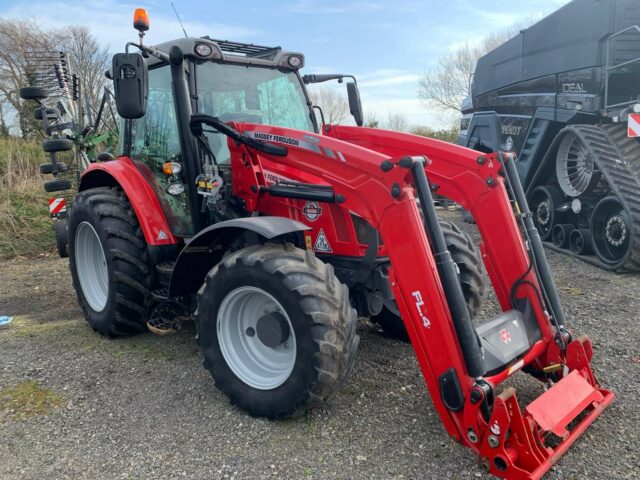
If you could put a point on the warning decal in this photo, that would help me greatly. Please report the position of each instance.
(633, 125)
(322, 244)
(57, 205)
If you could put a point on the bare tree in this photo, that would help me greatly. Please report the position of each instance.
(447, 84)
(89, 61)
(20, 38)
(4, 129)
(397, 121)
(334, 106)
(372, 120)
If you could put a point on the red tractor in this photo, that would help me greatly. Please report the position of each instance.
(229, 203)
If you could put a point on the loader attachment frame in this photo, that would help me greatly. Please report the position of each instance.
(379, 175)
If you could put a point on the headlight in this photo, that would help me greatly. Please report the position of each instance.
(204, 50)
(294, 61)
(175, 189)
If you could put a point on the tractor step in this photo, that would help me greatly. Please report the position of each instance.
(164, 270)
(160, 294)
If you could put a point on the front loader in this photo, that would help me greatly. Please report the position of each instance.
(231, 204)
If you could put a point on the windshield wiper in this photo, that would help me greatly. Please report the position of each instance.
(199, 119)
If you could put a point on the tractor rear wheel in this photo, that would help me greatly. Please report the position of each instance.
(466, 258)
(277, 330)
(109, 262)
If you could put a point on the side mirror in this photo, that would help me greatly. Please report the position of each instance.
(354, 103)
(129, 71)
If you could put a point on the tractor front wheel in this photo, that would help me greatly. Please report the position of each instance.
(109, 262)
(276, 328)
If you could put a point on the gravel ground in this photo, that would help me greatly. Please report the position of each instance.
(144, 407)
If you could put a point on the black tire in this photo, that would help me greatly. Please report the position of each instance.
(321, 317)
(465, 256)
(61, 229)
(52, 113)
(129, 268)
(467, 217)
(50, 168)
(391, 324)
(57, 185)
(53, 145)
(33, 93)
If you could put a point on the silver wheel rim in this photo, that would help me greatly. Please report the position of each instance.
(91, 266)
(575, 169)
(255, 363)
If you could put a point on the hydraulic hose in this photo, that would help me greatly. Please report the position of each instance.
(541, 264)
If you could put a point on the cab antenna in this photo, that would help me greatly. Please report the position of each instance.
(180, 21)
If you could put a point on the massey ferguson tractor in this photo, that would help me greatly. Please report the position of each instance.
(564, 95)
(229, 203)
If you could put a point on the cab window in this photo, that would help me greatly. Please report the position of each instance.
(154, 142)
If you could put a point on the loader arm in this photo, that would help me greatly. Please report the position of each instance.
(372, 173)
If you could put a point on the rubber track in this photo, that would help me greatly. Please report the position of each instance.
(618, 158)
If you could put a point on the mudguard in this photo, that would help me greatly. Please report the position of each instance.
(143, 199)
(206, 249)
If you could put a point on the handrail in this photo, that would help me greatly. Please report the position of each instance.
(609, 68)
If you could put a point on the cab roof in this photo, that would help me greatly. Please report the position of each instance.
(233, 52)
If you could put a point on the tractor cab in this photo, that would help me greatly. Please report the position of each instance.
(157, 91)
(232, 81)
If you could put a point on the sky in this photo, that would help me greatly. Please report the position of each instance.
(386, 44)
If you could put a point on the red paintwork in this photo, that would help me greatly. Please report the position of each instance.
(349, 158)
(141, 195)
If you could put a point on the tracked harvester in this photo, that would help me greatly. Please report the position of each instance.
(564, 95)
(231, 204)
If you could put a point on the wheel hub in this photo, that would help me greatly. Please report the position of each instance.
(576, 170)
(611, 226)
(616, 231)
(256, 337)
(273, 329)
(543, 213)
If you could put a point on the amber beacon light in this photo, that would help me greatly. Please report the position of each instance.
(141, 20)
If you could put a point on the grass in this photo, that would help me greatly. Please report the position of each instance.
(25, 228)
(26, 399)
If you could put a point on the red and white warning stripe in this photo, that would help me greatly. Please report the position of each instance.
(57, 205)
(633, 125)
